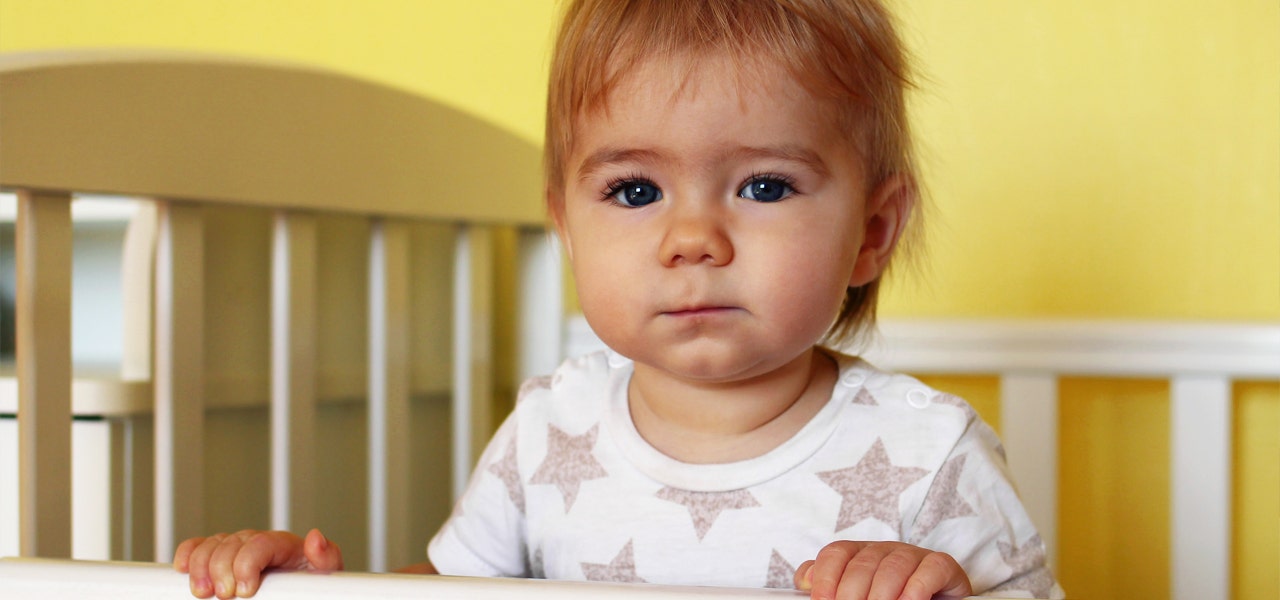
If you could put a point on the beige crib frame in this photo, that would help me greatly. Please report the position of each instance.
(188, 131)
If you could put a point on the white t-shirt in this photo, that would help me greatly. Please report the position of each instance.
(568, 489)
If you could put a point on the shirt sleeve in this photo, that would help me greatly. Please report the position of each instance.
(484, 537)
(972, 512)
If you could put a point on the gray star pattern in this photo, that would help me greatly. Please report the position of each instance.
(621, 569)
(865, 397)
(957, 402)
(1030, 572)
(569, 462)
(542, 382)
(508, 471)
(943, 500)
(781, 574)
(705, 507)
(870, 489)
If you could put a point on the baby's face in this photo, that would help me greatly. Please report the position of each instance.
(712, 227)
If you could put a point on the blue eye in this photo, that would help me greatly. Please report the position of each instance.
(766, 188)
(634, 193)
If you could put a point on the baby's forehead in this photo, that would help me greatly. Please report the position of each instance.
(673, 78)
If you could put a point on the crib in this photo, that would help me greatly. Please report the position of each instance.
(436, 243)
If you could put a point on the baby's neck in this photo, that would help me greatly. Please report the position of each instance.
(721, 423)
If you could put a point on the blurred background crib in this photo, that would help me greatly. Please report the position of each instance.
(286, 308)
(260, 294)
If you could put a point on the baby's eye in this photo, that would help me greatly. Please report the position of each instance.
(766, 188)
(634, 193)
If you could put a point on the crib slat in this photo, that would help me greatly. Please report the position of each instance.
(43, 254)
(1201, 486)
(388, 395)
(541, 304)
(1029, 426)
(137, 272)
(293, 370)
(472, 349)
(179, 376)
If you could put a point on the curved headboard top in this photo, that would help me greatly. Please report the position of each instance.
(181, 125)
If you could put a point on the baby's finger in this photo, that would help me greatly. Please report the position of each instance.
(221, 563)
(182, 555)
(893, 571)
(861, 571)
(262, 551)
(938, 574)
(829, 567)
(198, 566)
(321, 554)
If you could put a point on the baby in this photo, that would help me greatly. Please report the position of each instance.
(730, 180)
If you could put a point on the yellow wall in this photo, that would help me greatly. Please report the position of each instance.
(1099, 159)
(1090, 159)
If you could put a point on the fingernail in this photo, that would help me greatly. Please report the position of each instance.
(242, 589)
(200, 588)
(324, 542)
(220, 589)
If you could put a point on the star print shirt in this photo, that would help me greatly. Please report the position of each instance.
(568, 489)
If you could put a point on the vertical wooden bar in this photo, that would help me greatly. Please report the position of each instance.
(121, 511)
(293, 370)
(541, 304)
(1201, 486)
(91, 490)
(388, 395)
(1029, 425)
(43, 310)
(179, 376)
(472, 349)
(137, 290)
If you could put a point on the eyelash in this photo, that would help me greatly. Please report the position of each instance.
(617, 184)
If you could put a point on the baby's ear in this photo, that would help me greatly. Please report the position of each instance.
(887, 211)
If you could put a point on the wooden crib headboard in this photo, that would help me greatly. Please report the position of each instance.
(186, 132)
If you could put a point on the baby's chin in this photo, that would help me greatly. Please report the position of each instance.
(712, 364)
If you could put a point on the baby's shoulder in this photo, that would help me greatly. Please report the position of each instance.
(582, 383)
(898, 395)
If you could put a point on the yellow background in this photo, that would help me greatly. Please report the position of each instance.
(1088, 159)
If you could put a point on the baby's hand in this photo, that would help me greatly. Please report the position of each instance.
(232, 565)
(881, 571)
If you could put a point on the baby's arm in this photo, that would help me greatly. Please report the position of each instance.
(231, 565)
(874, 570)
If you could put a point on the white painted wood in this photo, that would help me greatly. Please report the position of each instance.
(1201, 486)
(43, 256)
(179, 376)
(293, 370)
(137, 289)
(91, 490)
(66, 580)
(541, 304)
(1068, 347)
(388, 395)
(473, 349)
(8, 486)
(1029, 426)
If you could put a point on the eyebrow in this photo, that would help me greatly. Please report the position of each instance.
(613, 155)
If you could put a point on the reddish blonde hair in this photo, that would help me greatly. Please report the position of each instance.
(846, 53)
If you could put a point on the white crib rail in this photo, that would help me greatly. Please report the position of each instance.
(45, 579)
